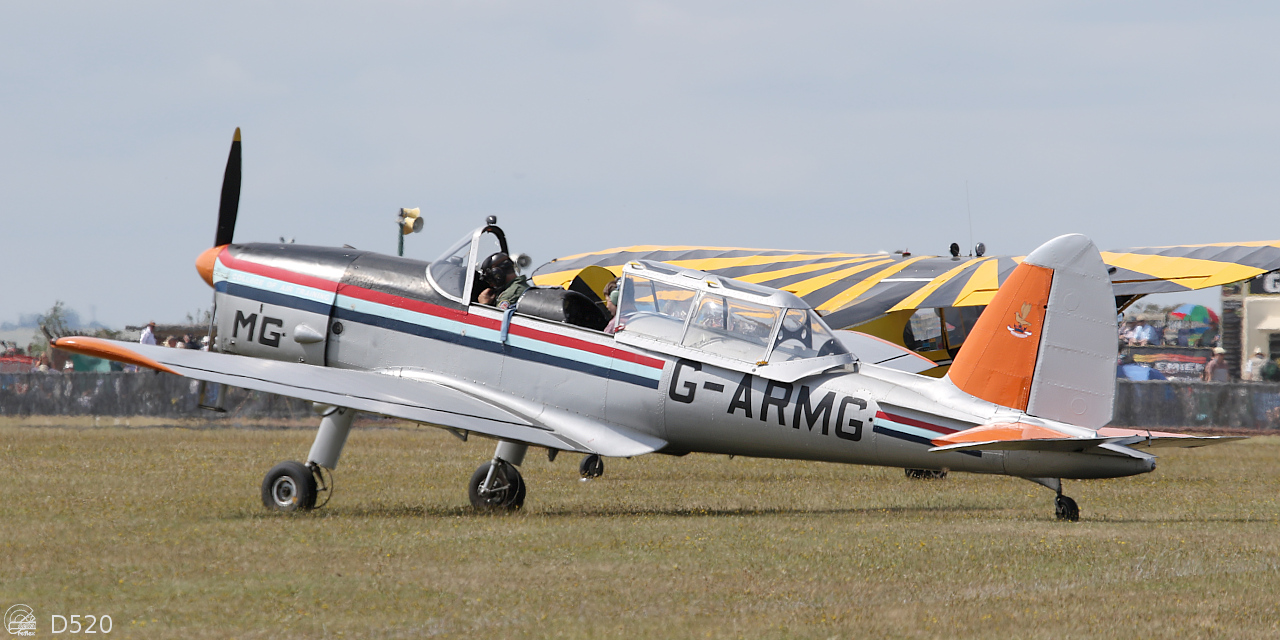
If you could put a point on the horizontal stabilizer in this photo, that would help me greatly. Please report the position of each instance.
(1020, 436)
(1141, 438)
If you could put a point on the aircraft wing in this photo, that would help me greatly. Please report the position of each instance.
(853, 288)
(393, 393)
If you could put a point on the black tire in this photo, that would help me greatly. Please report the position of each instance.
(506, 491)
(1065, 509)
(926, 474)
(591, 467)
(289, 486)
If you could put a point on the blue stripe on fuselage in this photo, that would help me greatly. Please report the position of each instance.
(271, 297)
(911, 437)
(347, 315)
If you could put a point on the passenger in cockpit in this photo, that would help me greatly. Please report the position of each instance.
(612, 293)
(505, 287)
(711, 313)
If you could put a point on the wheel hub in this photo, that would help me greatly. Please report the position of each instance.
(284, 492)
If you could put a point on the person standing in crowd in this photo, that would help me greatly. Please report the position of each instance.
(148, 334)
(1126, 333)
(1216, 370)
(1253, 368)
(1144, 334)
(1270, 372)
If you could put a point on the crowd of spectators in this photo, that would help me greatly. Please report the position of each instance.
(1141, 332)
(15, 359)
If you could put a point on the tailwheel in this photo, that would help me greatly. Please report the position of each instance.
(926, 474)
(1065, 509)
(592, 467)
(496, 486)
(289, 486)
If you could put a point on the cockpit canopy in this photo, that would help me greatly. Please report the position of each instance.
(725, 322)
(454, 273)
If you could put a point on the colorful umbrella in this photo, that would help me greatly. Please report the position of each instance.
(1195, 313)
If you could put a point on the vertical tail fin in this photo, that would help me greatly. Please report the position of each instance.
(1047, 342)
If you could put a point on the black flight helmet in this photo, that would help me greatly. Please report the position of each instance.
(495, 269)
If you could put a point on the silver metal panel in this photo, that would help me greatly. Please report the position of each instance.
(717, 410)
(261, 330)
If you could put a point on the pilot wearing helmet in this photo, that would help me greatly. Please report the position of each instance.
(505, 287)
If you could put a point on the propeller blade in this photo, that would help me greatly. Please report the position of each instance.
(230, 203)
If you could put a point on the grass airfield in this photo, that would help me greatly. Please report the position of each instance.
(162, 529)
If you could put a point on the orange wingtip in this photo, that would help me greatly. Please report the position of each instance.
(100, 348)
(1000, 431)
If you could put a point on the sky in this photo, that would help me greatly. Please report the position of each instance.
(847, 126)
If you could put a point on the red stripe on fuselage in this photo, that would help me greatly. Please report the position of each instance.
(496, 325)
(419, 306)
(284, 275)
(914, 423)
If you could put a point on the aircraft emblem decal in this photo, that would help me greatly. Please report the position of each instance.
(1021, 327)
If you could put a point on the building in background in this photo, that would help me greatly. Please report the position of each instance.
(1251, 318)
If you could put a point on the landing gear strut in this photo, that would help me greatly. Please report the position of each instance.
(293, 486)
(497, 485)
(1064, 508)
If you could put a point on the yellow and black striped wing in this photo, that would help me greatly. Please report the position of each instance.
(852, 288)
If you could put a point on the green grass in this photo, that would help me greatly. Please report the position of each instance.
(162, 529)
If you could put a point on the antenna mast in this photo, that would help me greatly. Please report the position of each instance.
(970, 212)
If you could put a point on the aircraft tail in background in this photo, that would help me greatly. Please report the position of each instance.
(1046, 344)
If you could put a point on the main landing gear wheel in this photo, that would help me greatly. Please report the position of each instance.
(591, 467)
(1065, 509)
(926, 474)
(501, 490)
(289, 486)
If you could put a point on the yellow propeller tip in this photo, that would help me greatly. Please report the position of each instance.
(237, 136)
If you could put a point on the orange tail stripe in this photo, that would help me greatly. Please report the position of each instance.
(100, 348)
(999, 356)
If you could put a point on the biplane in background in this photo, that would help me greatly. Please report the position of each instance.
(926, 303)
(702, 363)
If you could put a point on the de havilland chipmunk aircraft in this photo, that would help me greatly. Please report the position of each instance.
(694, 363)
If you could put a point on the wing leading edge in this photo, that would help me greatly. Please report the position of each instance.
(396, 393)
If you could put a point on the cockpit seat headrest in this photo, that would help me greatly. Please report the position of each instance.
(563, 305)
